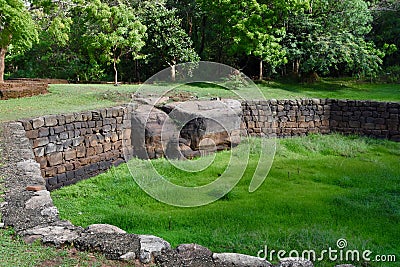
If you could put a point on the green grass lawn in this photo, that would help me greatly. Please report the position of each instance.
(320, 189)
(74, 98)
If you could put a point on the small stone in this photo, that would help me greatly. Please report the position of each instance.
(128, 256)
(239, 260)
(41, 199)
(2, 225)
(295, 262)
(35, 188)
(151, 246)
(104, 228)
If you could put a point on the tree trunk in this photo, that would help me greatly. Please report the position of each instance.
(203, 35)
(3, 51)
(261, 70)
(116, 72)
(296, 66)
(173, 73)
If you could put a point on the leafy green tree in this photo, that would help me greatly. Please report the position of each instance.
(16, 28)
(386, 28)
(329, 37)
(112, 31)
(251, 28)
(166, 40)
(253, 32)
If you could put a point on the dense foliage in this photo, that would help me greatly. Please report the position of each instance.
(92, 40)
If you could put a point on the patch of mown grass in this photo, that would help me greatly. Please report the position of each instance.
(80, 97)
(61, 99)
(332, 88)
(320, 189)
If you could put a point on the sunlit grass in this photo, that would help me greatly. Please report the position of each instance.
(79, 97)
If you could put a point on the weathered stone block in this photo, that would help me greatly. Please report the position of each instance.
(368, 126)
(106, 147)
(50, 148)
(113, 245)
(354, 124)
(38, 142)
(70, 154)
(238, 260)
(50, 172)
(80, 151)
(32, 134)
(61, 119)
(69, 118)
(27, 125)
(50, 121)
(64, 135)
(55, 158)
(98, 149)
(43, 132)
(37, 123)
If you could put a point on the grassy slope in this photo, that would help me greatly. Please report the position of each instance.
(320, 189)
(72, 97)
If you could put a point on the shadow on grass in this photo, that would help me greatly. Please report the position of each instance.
(323, 85)
(206, 85)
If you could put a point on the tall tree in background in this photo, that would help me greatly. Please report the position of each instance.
(329, 37)
(256, 31)
(112, 31)
(386, 29)
(166, 40)
(16, 28)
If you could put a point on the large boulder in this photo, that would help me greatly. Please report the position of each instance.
(207, 125)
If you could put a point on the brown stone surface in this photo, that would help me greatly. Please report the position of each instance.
(9, 90)
(35, 188)
(55, 158)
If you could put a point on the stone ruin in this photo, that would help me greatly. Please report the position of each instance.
(18, 88)
(184, 130)
(29, 208)
(52, 151)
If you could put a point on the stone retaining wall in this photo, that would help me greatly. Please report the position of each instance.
(368, 118)
(9, 90)
(286, 118)
(76, 146)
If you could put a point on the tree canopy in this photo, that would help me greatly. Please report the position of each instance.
(91, 40)
(16, 28)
